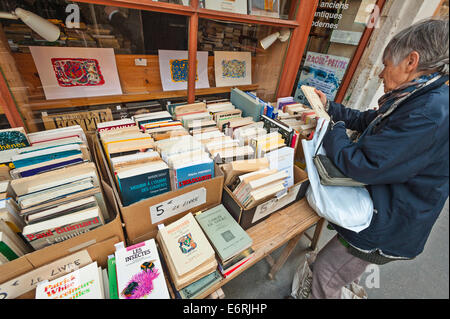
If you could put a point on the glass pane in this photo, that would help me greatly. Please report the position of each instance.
(333, 39)
(265, 8)
(228, 69)
(134, 36)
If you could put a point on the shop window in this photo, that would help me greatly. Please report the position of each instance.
(333, 39)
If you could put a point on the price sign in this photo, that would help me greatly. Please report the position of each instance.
(177, 205)
(274, 204)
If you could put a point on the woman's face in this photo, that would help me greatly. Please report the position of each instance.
(394, 75)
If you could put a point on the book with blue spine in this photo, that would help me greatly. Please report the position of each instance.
(44, 155)
(143, 181)
(46, 168)
(192, 173)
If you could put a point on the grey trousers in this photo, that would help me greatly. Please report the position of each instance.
(334, 268)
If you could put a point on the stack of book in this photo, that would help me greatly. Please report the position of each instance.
(186, 250)
(257, 187)
(59, 204)
(299, 117)
(231, 243)
(265, 143)
(237, 168)
(193, 116)
(139, 171)
(51, 150)
(139, 273)
(88, 282)
(12, 246)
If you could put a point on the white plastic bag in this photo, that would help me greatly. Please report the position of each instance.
(348, 207)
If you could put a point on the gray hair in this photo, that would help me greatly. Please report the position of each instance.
(429, 38)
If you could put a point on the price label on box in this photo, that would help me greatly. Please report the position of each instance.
(274, 204)
(176, 205)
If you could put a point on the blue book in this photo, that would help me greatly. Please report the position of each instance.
(191, 174)
(44, 158)
(247, 103)
(45, 168)
(143, 182)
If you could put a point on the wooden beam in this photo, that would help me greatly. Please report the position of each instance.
(148, 5)
(192, 53)
(297, 44)
(346, 80)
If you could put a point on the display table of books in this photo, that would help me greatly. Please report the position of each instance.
(284, 226)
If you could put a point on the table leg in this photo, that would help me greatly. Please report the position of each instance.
(275, 267)
(317, 232)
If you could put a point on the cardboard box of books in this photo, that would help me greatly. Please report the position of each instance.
(20, 278)
(253, 214)
(141, 218)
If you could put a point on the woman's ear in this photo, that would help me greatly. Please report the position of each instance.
(413, 61)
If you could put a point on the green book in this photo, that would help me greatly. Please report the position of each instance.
(199, 286)
(225, 234)
(6, 249)
(113, 294)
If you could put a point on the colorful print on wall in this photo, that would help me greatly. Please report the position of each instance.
(76, 72)
(179, 70)
(232, 68)
(173, 68)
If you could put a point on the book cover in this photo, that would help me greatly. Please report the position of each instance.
(226, 235)
(139, 272)
(13, 138)
(56, 230)
(83, 283)
(144, 185)
(186, 244)
(199, 286)
(112, 277)
(193, 173)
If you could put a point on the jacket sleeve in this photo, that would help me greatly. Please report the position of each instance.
(393, 155)
(353, 119)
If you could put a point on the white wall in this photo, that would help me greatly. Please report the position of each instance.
(366, 87)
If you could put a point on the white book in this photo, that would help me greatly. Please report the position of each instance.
(57, 133)
(83, 283)
(105, 281)
(139, 272)
(141, 169)
(153, 115)
(61, 221)
(61, 208)
(50, 144)
(35, 198)
(282, 159)
(115, 123)
(134, 157)
(255, 184)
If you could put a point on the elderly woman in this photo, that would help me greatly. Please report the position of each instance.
(401, 153)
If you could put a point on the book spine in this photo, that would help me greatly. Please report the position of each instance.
(44, 158)
(6, 251)
(112, 278)
(49, 167)
(55, 235)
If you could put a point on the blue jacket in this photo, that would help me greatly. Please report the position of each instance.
(404, 161)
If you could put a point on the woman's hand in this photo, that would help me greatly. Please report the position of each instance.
(322, 96)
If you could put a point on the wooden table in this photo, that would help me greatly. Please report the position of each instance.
(284, 226)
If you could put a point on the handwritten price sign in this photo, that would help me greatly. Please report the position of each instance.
(177, 205)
